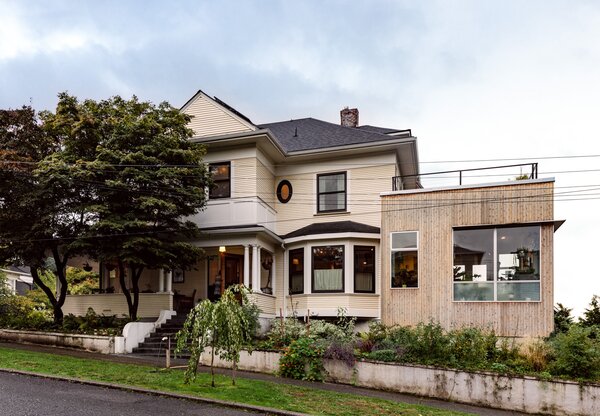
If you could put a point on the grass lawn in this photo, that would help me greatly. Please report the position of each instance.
(261, 393)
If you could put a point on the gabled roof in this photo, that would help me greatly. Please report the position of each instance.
(310, 134)
(333, 227)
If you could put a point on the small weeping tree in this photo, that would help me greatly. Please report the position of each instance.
(226, 326)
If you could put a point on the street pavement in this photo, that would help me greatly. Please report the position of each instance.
(339, 388)
(32, 396)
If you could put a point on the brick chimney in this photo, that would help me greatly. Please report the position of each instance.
(349, 117)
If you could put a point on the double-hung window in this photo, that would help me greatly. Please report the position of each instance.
(364, 269)
(296, 271)
(405, 256)
(221, 176)
(497, 264)
(328, 269)
(331, 192)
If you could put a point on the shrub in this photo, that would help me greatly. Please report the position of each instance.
(283, 332)
(383, 355)
(562, 318)
(536, 354)
(430, 345)
(341, 352)
(577, 355)
(470, 348)
(303, 360)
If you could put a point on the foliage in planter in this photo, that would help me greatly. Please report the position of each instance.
(303, 360)
(19, 312)
(92, 323)
(282, 333)
(342, 352)
(577, 355)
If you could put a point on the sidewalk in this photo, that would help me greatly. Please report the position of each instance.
(340, 388)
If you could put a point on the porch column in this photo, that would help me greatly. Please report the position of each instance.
(161, 280)
(169, 282)
(273, 276)
(247, 265)
(256, 268)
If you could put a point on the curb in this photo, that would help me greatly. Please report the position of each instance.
(122, 387)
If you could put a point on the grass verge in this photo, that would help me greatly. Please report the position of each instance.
(254, 392)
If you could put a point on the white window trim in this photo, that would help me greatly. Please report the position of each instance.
(392, 250)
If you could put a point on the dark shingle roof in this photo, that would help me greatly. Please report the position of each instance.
(310, 133)
(333, 227)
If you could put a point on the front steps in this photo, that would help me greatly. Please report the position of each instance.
(153, 345)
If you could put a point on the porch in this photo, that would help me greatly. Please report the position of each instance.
(180, 290)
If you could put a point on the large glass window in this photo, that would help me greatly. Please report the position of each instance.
(331, 192)
(221, 176)
(328, 269)
(296, 271)
(364, 269)
(405, 256)
(497, 264)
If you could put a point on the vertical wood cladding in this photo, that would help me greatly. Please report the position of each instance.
(434, 214)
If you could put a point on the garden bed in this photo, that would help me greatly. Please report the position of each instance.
(522, 393)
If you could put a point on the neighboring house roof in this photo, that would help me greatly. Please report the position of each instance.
(19, 269)
(310, 134)
(333, 227)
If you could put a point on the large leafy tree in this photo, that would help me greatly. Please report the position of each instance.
(112, 179)
(142, 178)
(35, 221)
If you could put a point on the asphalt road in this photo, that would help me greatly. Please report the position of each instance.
(32, 396)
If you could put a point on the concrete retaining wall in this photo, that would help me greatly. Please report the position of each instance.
(101, 344)
(524, 394)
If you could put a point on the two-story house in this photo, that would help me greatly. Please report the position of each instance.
(294, 214)
(316, 216)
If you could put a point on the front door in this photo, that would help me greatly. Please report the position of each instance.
(233, 270)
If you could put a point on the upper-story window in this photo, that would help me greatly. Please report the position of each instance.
(331, 192)
(221, 175)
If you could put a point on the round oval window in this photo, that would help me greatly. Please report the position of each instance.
(284, 191)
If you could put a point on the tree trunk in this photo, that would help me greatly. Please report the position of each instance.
(135, 287)
(132, 311)
(61, 274)
(234, 367)
(38, 281)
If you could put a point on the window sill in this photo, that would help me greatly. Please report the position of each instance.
(321, 214)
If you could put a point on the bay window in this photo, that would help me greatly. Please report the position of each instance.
(296, 271)
(327, 269)
(364, 269)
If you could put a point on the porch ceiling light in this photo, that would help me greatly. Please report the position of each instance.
(222, 249)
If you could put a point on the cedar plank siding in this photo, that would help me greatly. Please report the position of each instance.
(434, 214)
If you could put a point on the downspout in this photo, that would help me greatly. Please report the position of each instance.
(284, 286)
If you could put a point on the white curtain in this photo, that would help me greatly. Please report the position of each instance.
(328, 279)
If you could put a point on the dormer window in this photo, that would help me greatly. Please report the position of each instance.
(221, 176)
(331, 192)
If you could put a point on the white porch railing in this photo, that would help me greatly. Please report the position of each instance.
(265, 302)
(115, 304)
(236, 211)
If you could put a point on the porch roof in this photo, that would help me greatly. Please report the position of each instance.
(333, 227)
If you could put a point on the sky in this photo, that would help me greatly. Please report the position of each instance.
(480, 83)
